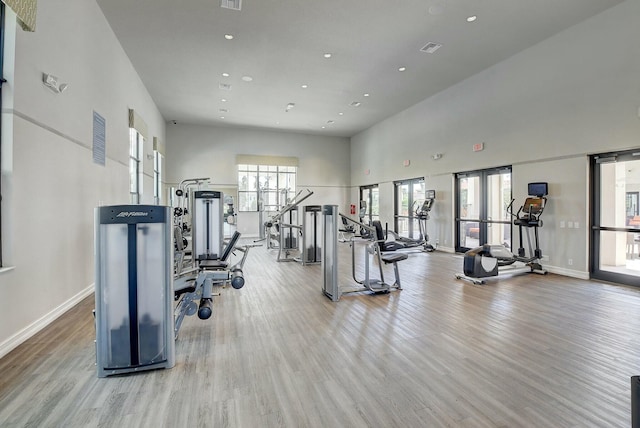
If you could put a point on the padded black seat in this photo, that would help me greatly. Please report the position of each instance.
(213, 264)
(394, 258)
(221, 263)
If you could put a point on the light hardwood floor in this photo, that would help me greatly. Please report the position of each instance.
(527, 351)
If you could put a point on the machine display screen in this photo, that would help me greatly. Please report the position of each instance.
(532, 205)
(538, 189)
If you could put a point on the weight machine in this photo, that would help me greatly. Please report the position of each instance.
(137, 280)
(299, 243)
(272, 227)
(283, 232)
(330, 285)
(193, 287)
(181, 209)
(134, 289)
(182, 217)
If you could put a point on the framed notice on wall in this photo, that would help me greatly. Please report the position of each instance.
(99, 133)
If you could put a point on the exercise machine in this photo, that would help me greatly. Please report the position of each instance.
(493, 260)
(137, 280)
(272, 227)
(362, 214)
(295, 241)
(134, 289)
(193, 287)
(229, 212)
(310, 248)
(330, 285)
(402, 242)
(181, 207)
(300, 242)
(286, 232)
(181, 202)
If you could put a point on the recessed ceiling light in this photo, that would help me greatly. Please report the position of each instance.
(472, 18)
(328, 55)
(365, 95)
(340, 114)
(305, 86)
(323, 127)
(225, 74)
(221, 117)
(228, 36)
(224, 100)
(247, 78)
(402, 69)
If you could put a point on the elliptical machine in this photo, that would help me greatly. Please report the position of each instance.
(422, 215)
(487, 260)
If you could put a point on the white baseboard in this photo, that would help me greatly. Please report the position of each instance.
(567, 272)
(552, 269)
(21, 336)
(446, 249)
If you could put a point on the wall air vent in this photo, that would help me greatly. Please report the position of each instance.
(231, 4)
(225, 86)
(431, 47)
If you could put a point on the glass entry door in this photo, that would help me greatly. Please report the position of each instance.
(482, 198)
(615, 233)
(370, 196)
(409, 195)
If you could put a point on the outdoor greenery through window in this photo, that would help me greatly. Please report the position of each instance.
(265, 187)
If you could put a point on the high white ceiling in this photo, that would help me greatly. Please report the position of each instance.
(180, 52)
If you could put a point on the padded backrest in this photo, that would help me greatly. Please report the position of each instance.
(346, 227)
(230, 246)
(379, 231)
(177, 238)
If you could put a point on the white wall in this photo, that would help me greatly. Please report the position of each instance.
(50, 184)
(202, 151)
(575, 93)
(542, 111)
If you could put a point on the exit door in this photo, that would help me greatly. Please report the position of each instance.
(482, 198)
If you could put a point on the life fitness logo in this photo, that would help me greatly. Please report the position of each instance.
(128, 214)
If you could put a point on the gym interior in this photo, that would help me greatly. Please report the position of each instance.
(555, 350)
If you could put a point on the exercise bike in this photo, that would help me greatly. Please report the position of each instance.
(494, 260)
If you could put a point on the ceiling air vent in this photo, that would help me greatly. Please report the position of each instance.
(225, 86)
(355, 104)
(431, 47)
(231, 4)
